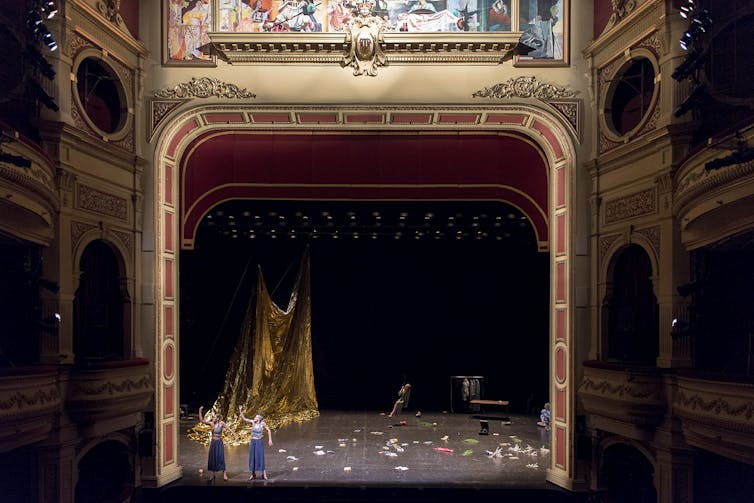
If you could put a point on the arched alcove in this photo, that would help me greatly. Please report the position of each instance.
(631, 309)
(101, 306)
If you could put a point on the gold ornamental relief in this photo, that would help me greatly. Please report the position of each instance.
(364, 38)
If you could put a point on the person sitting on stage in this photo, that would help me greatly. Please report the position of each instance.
(403, 395)
(216, 456)
(544, 417)
(256, 446)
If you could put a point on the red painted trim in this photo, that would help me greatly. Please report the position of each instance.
(560, 282)
(561, 187)
(169, 321)
(411, 118)
(168, 404)
(223, 118)
(560, 238)
(458, 119)
(271, 118)
(560, 365)
(560, 317)
(168, 443)
(168, 279)
(517, 119)
(560, 405)
(365, 119)
(169, 184)
(169, 231)
(318, 118)
(560, 447)
(550, 137)
(180, 135)
(168, 359)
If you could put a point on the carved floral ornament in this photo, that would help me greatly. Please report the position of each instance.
(364, 37)
(204, 87)
(525, 87)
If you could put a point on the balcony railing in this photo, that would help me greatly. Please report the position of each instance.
(29, 401)
(108, 390)
(717, 414)
(619, 392)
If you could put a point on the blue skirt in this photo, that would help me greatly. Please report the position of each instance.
(256, 455)
(216, 458)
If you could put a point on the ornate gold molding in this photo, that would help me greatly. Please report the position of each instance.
(525, 87)
(336, 47)
(204, 87)
(365, 38)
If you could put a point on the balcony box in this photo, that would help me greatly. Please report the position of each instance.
(619, 392)
(110, 395)
(29, 401)
(717, 413)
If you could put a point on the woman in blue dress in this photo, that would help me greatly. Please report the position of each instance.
(256, 446)
(216, 457)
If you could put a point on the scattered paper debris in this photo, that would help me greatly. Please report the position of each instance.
(390, 454)
(376, 432)
(295, 468)
(471, 441)
(401, 468)
(319, 453)
(444, 439)
(467, 452)
(346, 468)
(282, 450)
(428, 442)
(292, 458)
(544, 450)
(444, 450)
(318, 446)
(342, 444)
(514, 457)
(357, 431)
(532, 465)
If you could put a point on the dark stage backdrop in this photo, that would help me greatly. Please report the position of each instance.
(383, 312)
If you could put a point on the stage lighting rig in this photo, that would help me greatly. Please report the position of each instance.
(695, 99)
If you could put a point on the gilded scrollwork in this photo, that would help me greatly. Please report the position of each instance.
(364, 38)
(525, 87)
(100, 202)
(125, 386)
(621, 9)
(634, 205)
(605, 387)
(204, 87)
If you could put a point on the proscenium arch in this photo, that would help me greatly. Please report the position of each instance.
(547, 130)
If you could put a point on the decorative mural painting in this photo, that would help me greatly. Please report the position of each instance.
(188, 22)
(544, 24)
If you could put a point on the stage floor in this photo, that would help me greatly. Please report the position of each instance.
(370, 449)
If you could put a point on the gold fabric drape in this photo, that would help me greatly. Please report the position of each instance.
(271, 372)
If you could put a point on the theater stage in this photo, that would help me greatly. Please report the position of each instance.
(371, 454)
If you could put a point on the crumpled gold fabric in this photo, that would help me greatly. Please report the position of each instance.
(272, 373)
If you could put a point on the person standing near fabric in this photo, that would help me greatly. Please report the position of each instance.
(256, 445)
(216, 455)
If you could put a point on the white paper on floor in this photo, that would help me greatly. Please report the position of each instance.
(401, 468)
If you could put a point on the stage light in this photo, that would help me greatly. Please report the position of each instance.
(690, 65)
(693, 101)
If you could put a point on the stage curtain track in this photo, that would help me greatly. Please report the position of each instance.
(271, 371)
